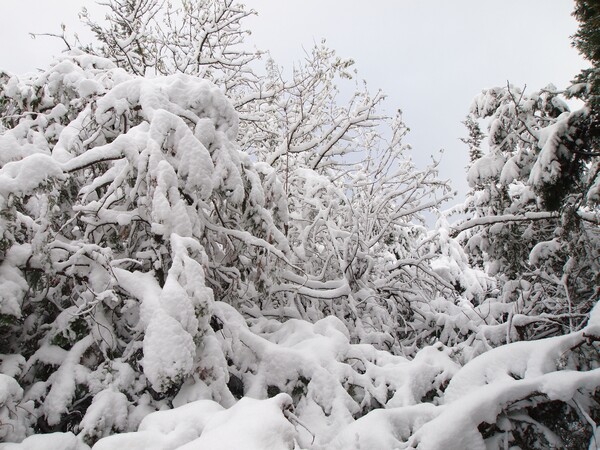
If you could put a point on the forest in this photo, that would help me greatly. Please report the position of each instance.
(200, 249)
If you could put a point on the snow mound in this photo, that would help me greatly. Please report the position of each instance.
(51, 441)
(250, 425)
(485, 168)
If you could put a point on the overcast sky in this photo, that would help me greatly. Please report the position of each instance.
(430, 56)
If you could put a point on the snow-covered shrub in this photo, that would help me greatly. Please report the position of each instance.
(128, 208)
(249, 424)
(540, 393)
(124, 201)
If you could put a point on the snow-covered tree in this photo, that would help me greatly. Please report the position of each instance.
(123, 198)
(331, 157)
(533, 211)
(200, 38)
(535, 216)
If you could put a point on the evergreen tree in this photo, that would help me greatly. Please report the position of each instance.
(587, 37)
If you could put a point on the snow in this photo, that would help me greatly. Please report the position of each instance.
(11, 365)
(11, 149)
(107, 413)
(51, 441)
(593, 195)
(168, 352)
(384, 428)
(192, 415)
(9, 390)
(64, 381)
(317, 358)
(594, 320)
(168, 429)
(510, 171)
(14, 285)
(547, 167)
(179, 95)
(543, 251)
(494, 380)
(456, 427)
(250, 424)
(168, 316)
(13, 409)
(486, 168)
(24, 176)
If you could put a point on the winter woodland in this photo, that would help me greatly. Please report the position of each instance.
(200, 249)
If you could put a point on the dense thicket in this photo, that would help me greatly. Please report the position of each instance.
(192, 240)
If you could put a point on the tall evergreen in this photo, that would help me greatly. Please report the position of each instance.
(587, 41)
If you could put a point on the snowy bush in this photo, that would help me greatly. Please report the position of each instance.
(127, 208)
(116, 205)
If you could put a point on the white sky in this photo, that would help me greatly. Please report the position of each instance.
(430, 56)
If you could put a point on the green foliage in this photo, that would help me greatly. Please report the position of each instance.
(587, 87)
(587, 37)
